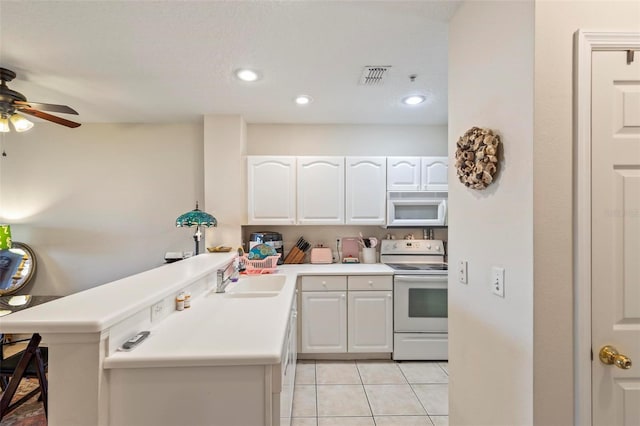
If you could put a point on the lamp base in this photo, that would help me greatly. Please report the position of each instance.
(195, 239)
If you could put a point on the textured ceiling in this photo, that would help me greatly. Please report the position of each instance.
(148, 61)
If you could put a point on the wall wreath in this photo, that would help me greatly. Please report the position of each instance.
(477, 157)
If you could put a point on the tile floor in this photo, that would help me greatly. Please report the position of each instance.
(371, 393)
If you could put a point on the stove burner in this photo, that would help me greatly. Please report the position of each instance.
(403, 267)
(419, 267)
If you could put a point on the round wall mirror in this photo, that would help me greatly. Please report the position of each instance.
(17, 268)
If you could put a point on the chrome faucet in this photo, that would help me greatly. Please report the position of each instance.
(223, 277)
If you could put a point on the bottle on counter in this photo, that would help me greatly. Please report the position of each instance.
(180, 302)
(187, 299)
(235, 275)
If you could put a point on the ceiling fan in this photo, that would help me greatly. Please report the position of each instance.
(12, 102)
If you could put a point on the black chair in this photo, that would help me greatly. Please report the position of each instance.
(29, 363)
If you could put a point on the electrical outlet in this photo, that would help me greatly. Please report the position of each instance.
(157, 311)
(462, 272)
(497, 281)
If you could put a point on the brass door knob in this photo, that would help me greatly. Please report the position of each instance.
(609, 355)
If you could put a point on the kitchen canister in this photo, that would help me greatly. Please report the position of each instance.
(368, 255)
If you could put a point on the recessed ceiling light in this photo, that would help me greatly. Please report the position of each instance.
(414, 100)
(247, 75)
(303, 100)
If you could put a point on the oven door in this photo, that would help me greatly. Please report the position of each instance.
(420, 303)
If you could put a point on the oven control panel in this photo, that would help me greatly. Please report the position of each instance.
(412, 247)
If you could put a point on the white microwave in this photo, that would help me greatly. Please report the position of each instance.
(416, 209)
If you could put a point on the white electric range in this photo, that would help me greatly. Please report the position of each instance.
(420, 330)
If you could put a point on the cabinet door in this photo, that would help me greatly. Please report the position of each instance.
(324, 321)
(434, 174)
(403, 173)
(288, 366)
(320, 190)
(366, 190)
(370, 321)
(271, 190)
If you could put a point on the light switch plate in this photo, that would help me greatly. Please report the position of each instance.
(497, 281)
(462, 272)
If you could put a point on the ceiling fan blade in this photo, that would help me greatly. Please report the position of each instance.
(45, 107)
(49, 117)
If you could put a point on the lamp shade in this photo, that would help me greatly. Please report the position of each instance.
(196, 217)
(20, 123)
(5, 237)
(4, 124)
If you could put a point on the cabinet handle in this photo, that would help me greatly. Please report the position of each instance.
(389, 296)
(342, 296)
(371, 283)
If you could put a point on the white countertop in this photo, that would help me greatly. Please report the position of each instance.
(339, 269)
(99, 308)
(216, 330)
(219, 330)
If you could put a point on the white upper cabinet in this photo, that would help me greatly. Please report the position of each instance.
(365, 190)
(403, 173)
(320, 190)
(271, 186)
(417, 174)
(434, 174)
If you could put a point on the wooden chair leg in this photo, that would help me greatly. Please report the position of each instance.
(42, 379)
(18, 374)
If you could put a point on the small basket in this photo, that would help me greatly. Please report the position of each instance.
(261, 266)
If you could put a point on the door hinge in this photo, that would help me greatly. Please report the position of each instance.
(591, 354)
(629, 56)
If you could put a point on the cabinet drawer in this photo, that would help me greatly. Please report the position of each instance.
(324, 283)
(370, 282)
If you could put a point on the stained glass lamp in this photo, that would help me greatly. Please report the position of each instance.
(5, 237)
(196, 218)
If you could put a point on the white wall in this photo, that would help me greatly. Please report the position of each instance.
(225, 177)
(491, 338)
(345, 139)
(99, 202)
(556, 22)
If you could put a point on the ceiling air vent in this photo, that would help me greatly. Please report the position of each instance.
(374, 75)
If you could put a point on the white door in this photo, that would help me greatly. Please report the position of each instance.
(615, 189)
(370, 321)
(403, 173)
(324, 321)
(434, 174)
(271, 190)
(366, 190)
(320, 190)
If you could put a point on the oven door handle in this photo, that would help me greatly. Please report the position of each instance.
(420, 278)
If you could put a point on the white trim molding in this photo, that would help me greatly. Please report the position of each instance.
(586, 42)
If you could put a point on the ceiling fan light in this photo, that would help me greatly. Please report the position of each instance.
(20, 123)
(4, 124)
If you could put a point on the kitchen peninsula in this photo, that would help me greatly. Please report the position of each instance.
(227, 360)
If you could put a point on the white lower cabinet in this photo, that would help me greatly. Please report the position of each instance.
(346, 314)
(324, 321)
(370, 321)
(288, 368)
